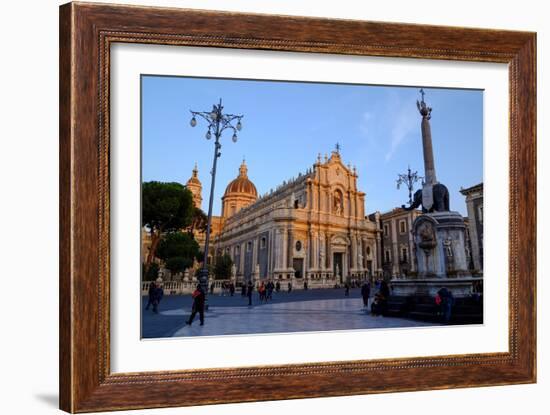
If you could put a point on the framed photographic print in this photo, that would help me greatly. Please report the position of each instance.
(271, 203)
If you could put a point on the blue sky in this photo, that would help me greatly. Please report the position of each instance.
(286, 124)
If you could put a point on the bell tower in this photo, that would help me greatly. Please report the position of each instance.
(195, 186)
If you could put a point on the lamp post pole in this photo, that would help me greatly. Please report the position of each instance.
(217, 122)
(409, 180)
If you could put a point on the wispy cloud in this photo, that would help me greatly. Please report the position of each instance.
(393, 111)
(404, 122)
(366, 123)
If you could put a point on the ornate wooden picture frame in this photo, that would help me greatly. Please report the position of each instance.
(87, 32)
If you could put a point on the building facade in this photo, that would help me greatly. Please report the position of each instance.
(397, 255)
(474, 204)
(312, 227)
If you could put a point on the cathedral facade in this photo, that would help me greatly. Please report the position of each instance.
(312, 228)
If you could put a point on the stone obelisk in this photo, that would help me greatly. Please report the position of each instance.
(438, 233)
(429, 164)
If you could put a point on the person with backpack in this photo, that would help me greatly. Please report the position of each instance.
(199, 299)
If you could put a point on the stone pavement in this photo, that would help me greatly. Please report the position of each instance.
(311, 310)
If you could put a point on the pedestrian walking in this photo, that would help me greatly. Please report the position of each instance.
(212, 287)
(249, 289)
(270, 288)
(346, 292)
(305, 285)
(278, 286)
(243, 290)
(289, 287)
(152, 288)
(261, 291)
(231, 289)
(365, 293)
(159, 294)
(199, 299)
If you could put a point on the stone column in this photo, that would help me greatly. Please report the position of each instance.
(322, 250)
(278, 260)
(310, 249)
(429, 164)
(269, 253)
(329, 253)
(284, 253)
(361, 244)
(255, 253)
(377, 252)
(315, 253)
(353, 264)
(315, 206)
(290, 248)
(242, 254)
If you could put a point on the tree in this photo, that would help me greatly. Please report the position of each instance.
(166, 207)
(222, 267)
(151, 273)
(199, 221)
(178, 244)
(178, 264)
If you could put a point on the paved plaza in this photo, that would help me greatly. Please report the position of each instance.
(310, 310)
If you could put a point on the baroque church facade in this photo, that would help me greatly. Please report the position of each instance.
(312, 227)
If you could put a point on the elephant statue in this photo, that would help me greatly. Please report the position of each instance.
(440, 200)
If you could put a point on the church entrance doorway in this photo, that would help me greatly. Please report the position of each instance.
(338, 266)
(298, 265)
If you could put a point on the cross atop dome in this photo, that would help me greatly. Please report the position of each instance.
(243, 169)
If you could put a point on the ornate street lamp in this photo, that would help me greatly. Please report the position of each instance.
(217, 123)
(409, 180)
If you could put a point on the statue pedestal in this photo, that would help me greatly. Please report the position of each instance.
(460, 287)
(440, 240)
